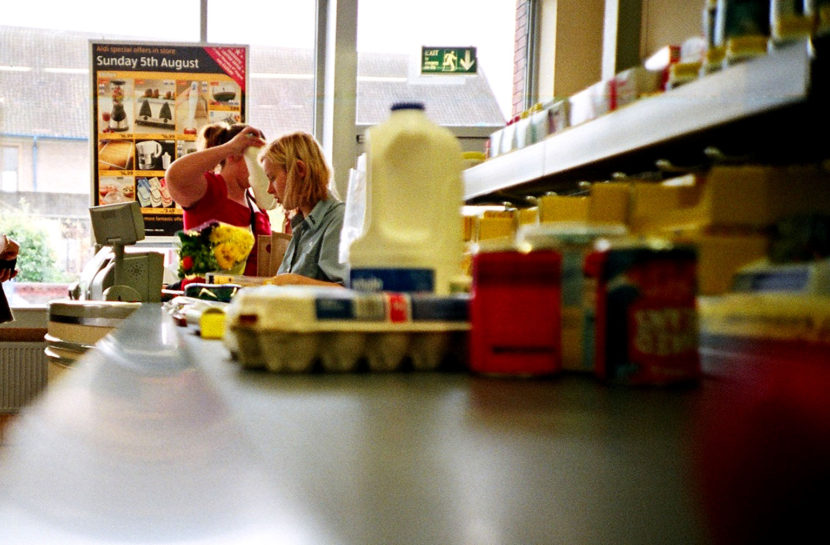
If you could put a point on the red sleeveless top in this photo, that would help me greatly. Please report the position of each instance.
(216, 206)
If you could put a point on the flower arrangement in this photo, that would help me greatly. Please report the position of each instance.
(214, 246)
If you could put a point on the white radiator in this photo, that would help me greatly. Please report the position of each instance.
(22, 373)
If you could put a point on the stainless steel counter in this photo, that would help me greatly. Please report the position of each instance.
(157, 436)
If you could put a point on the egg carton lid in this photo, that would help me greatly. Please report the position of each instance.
(303, 308)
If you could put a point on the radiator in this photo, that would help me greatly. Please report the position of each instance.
(22, 373)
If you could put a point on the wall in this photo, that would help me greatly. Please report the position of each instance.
(570, 42)
(570, 46)
(669, 22)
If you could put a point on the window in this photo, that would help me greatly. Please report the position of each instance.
(45, 88)
(8, 168)
(280, 34)
(389, 40)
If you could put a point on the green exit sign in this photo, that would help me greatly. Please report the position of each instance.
(448, 60)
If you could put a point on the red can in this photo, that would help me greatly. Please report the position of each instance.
(515, 313)
(645, 313)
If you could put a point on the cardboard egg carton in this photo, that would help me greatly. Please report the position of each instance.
(300, 329)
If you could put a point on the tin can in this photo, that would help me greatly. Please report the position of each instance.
(515, 322)
(644, 312)
(573, 241)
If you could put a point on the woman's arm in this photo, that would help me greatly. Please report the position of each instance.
(186, 175)
(288, 279)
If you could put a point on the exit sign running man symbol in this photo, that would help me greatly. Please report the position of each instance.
(448, 60)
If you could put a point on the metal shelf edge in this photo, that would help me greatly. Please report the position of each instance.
(776, 80)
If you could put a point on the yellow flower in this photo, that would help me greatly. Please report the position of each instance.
(231, 244)
(216, 246)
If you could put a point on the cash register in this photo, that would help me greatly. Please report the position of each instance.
(118, 272)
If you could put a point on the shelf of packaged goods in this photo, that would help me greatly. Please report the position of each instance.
(766, 98)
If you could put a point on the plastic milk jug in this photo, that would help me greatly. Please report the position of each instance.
(412, 235)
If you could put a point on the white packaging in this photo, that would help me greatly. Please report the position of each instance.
(523, 131)
(540, 124)
(258, 180)
(590, 102)
(632, 84)
(495, 143)
(559, 116)
(508, 137)
(355, 213)
(412, 237)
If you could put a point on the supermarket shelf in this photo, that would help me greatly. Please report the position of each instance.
(752, 105)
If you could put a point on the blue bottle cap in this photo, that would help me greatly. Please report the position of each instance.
(407, 106)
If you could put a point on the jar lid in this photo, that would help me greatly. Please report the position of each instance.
(407, 106)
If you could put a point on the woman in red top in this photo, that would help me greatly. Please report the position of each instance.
(212, 183)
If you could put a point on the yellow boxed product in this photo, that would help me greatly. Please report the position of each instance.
(791, 26)
(747, 196)
(759, 196)
(739, 48)
(472, 158)
(720, 255)
(563, 208)
(469, 223)
(781, 316)
(212, 323)
(506, 213)
(713, 60)
(655, 206)
(528, 215)
(496, 226)
(609, 202)
(683, 72)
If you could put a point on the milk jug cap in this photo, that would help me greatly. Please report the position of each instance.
(407, 106)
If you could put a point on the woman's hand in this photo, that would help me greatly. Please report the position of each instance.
(247, 137)
(8, 254)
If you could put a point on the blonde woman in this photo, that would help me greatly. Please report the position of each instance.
(300, 179)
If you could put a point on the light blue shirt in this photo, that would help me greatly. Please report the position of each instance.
(314, 247)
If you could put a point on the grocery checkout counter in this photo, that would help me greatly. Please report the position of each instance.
(157, 436)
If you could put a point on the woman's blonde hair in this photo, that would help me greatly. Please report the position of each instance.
(285, 151)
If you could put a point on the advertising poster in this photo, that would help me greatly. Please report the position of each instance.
(150, 100)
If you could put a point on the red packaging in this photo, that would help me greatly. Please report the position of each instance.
(515, 313)
(646, 326)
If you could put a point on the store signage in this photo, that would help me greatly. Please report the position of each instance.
(150, 100)
(448, 60)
